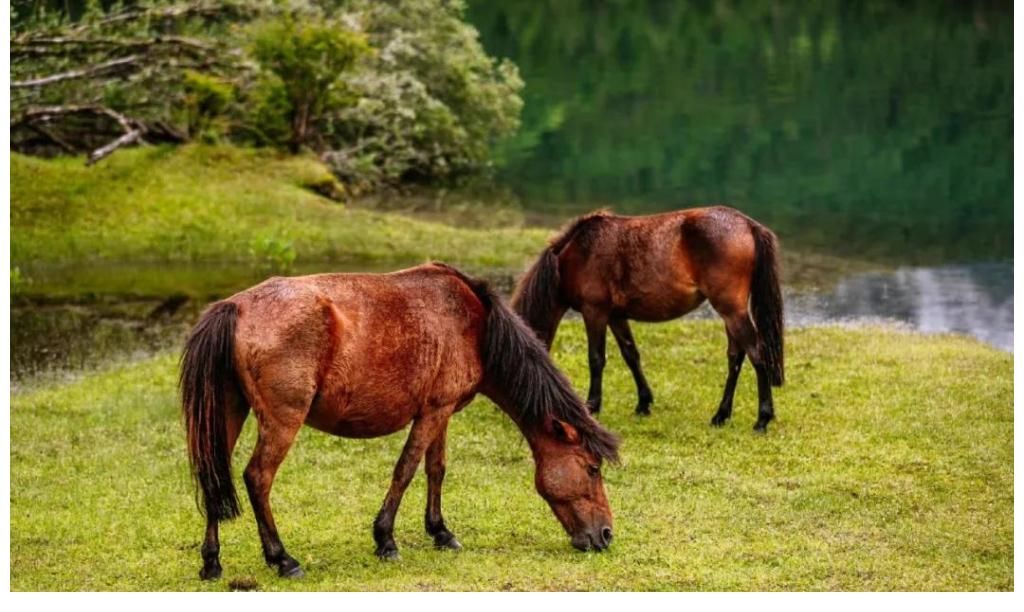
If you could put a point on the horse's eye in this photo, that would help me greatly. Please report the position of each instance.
(594, 470)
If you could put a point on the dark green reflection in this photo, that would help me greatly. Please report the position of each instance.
(872, 129)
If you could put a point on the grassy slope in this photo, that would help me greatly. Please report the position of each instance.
(891, 467)
(203, 203)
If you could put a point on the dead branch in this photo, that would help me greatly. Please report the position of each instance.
(205, 10)
(63, 47)
(133, 129)
(110, 147)
(79, 73)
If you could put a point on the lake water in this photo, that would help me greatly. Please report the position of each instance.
(874, 130)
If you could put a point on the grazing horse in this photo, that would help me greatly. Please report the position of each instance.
(364, 355)
(613, 268)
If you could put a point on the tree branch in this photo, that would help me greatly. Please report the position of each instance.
(77, 74)
(112, 146)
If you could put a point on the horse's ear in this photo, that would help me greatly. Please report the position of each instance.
(563, 431)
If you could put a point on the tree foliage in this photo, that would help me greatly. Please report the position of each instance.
(384, 91)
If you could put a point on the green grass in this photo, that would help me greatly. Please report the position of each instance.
(890, 467)
(221, 204)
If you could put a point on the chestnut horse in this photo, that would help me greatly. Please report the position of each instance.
(361, 356)
(613, 268)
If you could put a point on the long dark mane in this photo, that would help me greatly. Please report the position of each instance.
(518, 364)
(537, 298)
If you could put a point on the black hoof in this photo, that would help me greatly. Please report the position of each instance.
(448, 543)
(295, 572)
(760, 427)
(718, 420)
(210, 572)
(594, 407)
(289, 568)
(643, 410)
(388, 552)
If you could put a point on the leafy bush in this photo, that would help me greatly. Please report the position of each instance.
(430, 103)
(303, 65)
(384, 91)
(207, 98)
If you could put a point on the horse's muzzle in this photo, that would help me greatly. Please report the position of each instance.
(598, 540)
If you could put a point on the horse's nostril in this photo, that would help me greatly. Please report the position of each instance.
(606, 535)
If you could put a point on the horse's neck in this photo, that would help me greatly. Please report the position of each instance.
(531, 432)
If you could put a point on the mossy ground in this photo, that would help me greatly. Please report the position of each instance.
(890, 467)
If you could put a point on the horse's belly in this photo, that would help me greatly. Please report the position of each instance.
(360, 417)
(663, 305)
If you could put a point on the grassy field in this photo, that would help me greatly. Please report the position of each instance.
(890, 467)
(222, 204)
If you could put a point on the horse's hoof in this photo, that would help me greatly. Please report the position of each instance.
(761, 428)
(450, 544)
(211, 572)
(294, 572)
(718, 420)
(387, 553)
(643, 410)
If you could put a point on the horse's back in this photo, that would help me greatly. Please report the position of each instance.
(368, 350)
(629, 266)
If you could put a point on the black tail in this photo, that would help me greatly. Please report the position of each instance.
(536, 298)
(766, 302)
(518, 365)
(207, 369)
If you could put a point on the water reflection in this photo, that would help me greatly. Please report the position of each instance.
(874, 130)
(971, 299)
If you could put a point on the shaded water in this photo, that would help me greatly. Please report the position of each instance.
(869, 129)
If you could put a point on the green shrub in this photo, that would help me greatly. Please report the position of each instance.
(207, 98)
(307, 60)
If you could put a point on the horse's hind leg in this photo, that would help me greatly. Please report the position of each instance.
(631, 355)
(277, 431)
(743, 334)
(765, 407)
(435, 468)
(236, 412)
(735, 356)
(596, 323)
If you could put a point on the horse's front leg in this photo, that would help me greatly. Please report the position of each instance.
(596, 323)
(435, 468)
(424, 431)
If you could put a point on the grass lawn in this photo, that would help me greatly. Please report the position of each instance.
(221, 204)
(890, 467)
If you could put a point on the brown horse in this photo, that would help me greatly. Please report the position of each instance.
(612, 268)
(363, 355)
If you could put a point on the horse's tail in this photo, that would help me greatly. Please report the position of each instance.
(536, 298)
(207, 370)
(766, 302)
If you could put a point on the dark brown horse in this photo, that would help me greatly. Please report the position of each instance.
(612, 269)
(364, 355)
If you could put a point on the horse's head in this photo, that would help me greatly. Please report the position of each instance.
(569, 478)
